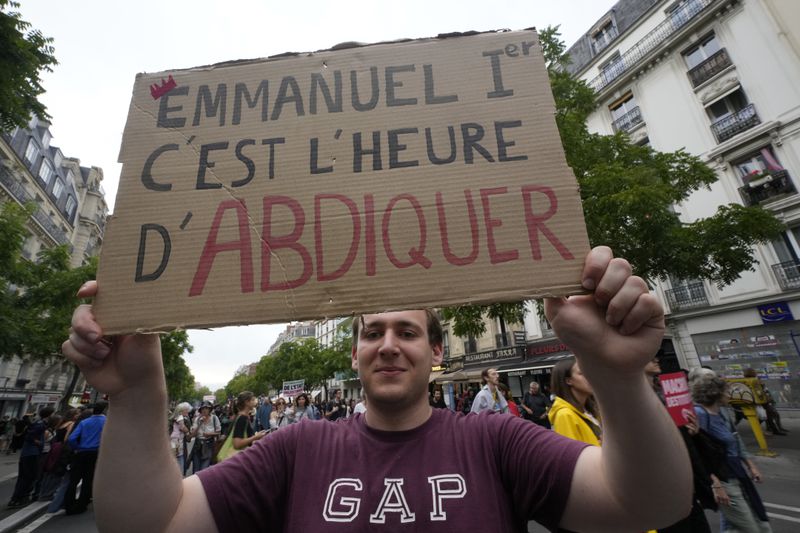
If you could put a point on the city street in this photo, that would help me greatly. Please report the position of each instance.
(779, 491)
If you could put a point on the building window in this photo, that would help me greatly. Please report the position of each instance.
(625, 114)
(763, 177)
(705, 60)
(731, 115)
(682, 12)
(699, 53)
(70, 207)
(603, 37)
(58, 188)
(612, 68)
(445, 344)
(31, 152)
(46, 172)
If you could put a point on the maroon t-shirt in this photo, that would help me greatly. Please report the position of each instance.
(486, 472)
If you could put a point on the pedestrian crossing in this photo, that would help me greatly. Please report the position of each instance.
(781, 516)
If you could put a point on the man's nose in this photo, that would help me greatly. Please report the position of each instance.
(390, 343)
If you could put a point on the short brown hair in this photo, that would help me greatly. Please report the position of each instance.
(435, 332)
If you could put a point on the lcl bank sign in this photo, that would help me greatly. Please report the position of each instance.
(775, 312)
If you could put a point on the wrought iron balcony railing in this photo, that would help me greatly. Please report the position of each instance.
(627, 121)
(19, 192)
(787, 274)
(773, 185)
(709, 68)
(687, 296)
(684, 13)
(735, 123)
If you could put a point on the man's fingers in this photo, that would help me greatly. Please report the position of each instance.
(83, 361)
(623, 294)
(88, 289)
(646, 311)
(595, 266)
(616, 275)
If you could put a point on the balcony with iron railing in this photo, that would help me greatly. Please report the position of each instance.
(666, 29)
(20, 194)
(767, 186)
(787, 274)
(709, 68)
(688, 296)
(735, 123)
(628, 121)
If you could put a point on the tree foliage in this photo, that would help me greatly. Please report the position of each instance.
(629, 193)
(24, 54)
(303, 359)
(37, 298)
(180, 382)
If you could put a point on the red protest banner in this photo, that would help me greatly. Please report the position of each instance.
(677, 397)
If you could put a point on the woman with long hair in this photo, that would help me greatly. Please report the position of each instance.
(243, 433)
(303, 408)
(280, 416)
(574, 413)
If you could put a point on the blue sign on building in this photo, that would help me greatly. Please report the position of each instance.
(775, 312)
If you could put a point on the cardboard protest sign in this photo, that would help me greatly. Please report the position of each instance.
(389, 176)
(293, 388)
(677, 396)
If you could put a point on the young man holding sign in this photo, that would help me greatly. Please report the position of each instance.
(404, 463)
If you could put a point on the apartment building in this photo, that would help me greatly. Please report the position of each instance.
(720, 79)
(71, 210)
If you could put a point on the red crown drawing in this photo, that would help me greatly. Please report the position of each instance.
(166, 86)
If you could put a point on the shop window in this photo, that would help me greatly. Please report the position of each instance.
(31, 152)
(603, 37)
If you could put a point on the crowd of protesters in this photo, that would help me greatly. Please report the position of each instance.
(58, 451)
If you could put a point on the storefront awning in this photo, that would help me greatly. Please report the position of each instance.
(459, 375)
(435, 375)
(539, 362)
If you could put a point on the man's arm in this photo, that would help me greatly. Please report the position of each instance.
(135, 468)
(641, 477)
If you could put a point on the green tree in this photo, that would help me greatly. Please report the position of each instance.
(24, 54)
(628, 194)
(180, 382)
(305, 359)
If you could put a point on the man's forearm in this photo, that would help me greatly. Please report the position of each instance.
(643, 455)
(136, 469)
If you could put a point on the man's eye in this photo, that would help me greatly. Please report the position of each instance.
(371, 334)
(409, 334)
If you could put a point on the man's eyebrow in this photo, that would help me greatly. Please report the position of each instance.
(393, 323)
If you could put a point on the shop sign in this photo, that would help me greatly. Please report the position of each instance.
(775, 312)
(44, 398)
(548, 348)
(455, 364)
(510, 354)
(519, 337)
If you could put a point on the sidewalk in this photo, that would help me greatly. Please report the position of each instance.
(787, 464)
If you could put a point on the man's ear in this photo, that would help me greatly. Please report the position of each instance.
(438, 354)
(354, 357)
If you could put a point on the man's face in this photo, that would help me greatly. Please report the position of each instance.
(534, 388)
(393, 357)
(338, 395)
(437, 394)
(493, 377)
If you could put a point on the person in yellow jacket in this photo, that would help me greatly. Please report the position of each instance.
(574, 413)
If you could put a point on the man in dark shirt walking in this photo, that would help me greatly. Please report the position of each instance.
(84, 442)
(336, 408)
(29, 459)
(535, 406)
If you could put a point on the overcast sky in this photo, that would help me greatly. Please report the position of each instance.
(101, 45)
